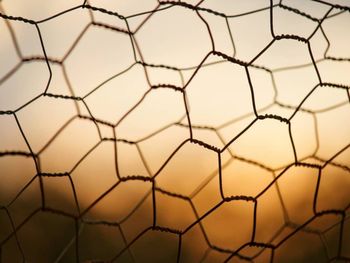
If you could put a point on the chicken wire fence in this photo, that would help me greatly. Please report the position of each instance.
(213, 223)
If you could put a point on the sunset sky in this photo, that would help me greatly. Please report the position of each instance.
(155, 114)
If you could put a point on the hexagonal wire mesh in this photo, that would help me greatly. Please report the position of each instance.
(163, 131)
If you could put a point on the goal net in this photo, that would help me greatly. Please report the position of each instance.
(174, 131)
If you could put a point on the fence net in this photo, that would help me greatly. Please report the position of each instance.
(174, 131)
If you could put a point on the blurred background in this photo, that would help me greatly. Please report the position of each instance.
(174, 131)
